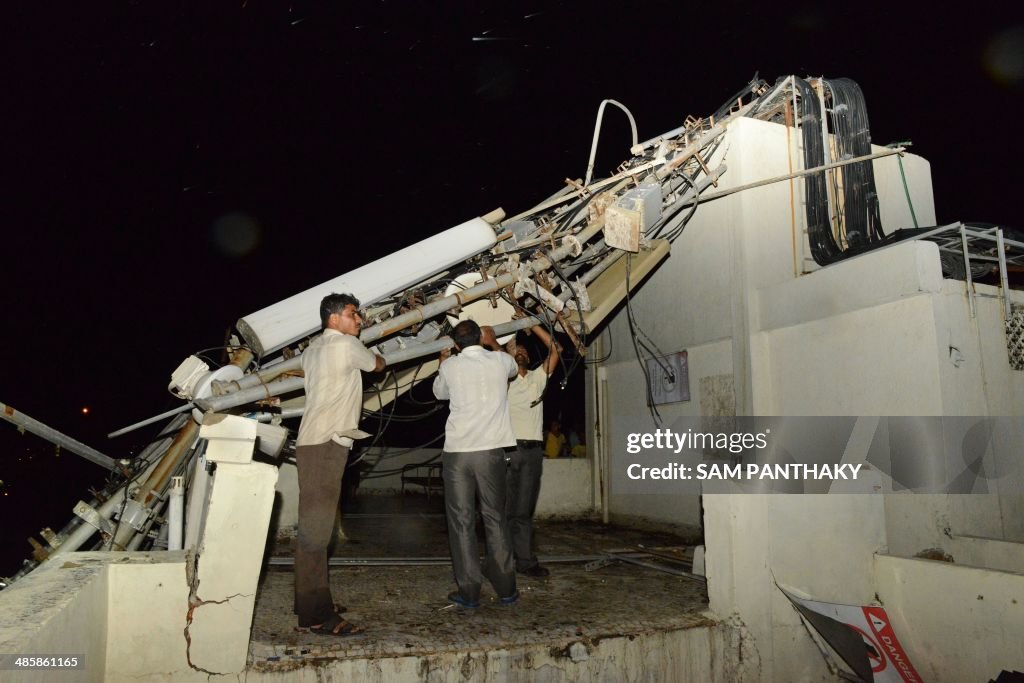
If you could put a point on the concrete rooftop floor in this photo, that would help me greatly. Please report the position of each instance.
(404, 610)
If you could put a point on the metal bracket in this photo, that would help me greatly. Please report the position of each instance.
(135, 514)
(580, 296)
(577, 248)
(93, 518)
(599, 564)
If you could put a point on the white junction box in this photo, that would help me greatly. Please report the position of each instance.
(631, 215)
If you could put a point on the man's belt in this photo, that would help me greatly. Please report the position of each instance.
(528, 443)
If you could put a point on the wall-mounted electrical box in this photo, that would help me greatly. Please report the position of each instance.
(670, 378)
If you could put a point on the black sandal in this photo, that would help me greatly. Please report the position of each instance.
(336, 626)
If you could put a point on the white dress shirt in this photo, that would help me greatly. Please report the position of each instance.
(476, 383)
(527, 419)
(334, 387)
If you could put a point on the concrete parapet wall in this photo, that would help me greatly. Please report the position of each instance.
(989, 553)
(707, 654)
(58, 609)
(971, 634)
(129, 616)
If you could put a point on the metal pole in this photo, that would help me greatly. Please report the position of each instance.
(967, 268)
(83, 533)
(76, 536)
(181, 444)
(421, 561)
(777, 179)
(259, 377)
(657, 567)
(53, 436)
(238, 398)
(151, 420)
(276, 388)
(1003, 278)
(597, 134)
(495, 284)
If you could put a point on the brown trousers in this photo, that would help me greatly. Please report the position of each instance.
(321, 468)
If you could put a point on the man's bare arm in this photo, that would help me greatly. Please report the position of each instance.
(487, 338)
(554, 348)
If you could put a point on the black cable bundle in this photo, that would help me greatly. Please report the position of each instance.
(819, 229)
(852, 136)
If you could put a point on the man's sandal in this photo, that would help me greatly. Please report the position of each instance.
(335, 626)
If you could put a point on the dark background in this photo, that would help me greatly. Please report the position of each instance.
(170, 169)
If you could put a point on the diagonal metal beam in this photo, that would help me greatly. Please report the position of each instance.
(53, 436)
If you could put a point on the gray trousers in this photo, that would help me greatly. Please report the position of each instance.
(320, 469)
(468, 476)
(524, 474)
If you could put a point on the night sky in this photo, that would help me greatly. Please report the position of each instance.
(170, 170)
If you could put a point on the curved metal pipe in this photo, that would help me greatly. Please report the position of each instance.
(597, 134)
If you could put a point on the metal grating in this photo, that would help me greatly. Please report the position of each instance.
(1015, 338)
(973, 247)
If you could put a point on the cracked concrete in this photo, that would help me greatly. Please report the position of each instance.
(564, 617)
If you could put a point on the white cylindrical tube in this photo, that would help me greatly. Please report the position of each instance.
(175, 509)
(298, 316)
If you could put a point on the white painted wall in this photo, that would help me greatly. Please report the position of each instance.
(147, 604)
(566, 488)
(868, 336)
(974, 551)
(970, 633)
(60, 608)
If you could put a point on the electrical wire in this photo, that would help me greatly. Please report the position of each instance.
(851, 137)
(378, 474)
(674, 234)
(903, 176)
(611, 342)
(819, 231)
(579, 308)
(655, 415)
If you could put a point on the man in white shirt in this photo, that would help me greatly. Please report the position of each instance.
(478, 431)
(334, 401)
(526, 406)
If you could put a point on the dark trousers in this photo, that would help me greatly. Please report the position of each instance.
(524, 474)
(321, 468)
(467, 476)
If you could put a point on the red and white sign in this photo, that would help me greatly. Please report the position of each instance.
(889, 661)
(886, 640)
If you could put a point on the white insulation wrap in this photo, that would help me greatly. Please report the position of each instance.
(298, 316)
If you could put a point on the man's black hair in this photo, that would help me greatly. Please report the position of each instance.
(335, 303)
(520, 340)
(466, 333)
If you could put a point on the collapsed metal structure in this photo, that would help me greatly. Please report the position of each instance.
(566, 263)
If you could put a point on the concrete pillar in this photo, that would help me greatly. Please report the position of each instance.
(230, 548)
